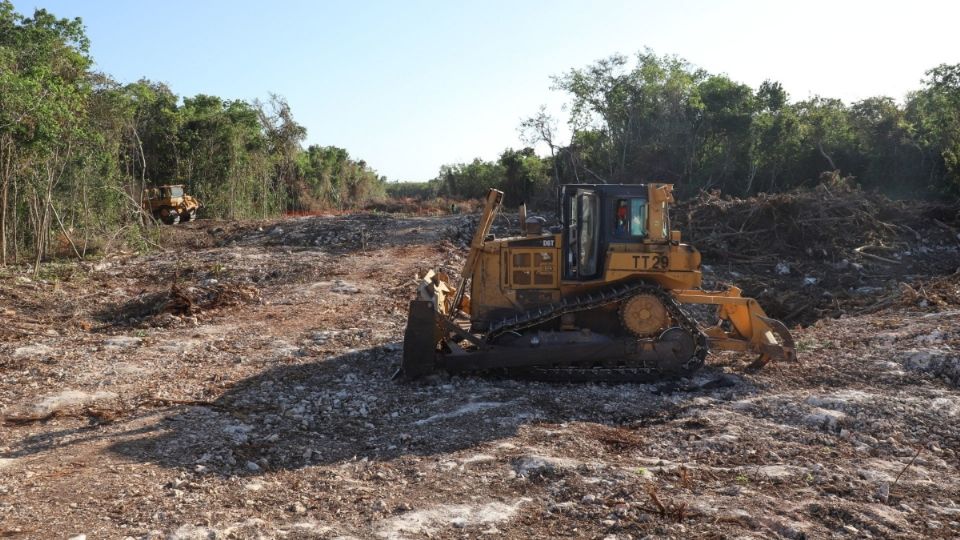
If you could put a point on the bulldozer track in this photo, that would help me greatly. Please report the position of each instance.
(611, 371)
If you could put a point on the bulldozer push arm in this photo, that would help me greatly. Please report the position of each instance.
(434, 286)
(750, 328)
(490, 207)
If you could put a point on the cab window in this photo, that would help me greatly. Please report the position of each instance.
(638, 217)
(572, 236)
(630, 217)
(588, 234)
(621, 217)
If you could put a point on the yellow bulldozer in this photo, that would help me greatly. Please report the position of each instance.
(170, 204)
(603, 296)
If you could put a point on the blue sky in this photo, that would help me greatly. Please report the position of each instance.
(409, 86)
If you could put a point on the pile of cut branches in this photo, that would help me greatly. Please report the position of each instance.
(818, 222)
(823, 251)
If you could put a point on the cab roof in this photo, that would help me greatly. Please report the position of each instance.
(624, 190)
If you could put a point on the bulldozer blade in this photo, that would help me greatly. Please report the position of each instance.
(419, 341)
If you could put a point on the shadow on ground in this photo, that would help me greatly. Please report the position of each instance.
(346, 407)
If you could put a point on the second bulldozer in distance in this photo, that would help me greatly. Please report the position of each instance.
(170, 204)
(599, 298)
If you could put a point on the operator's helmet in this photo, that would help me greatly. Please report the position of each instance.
(535, 224)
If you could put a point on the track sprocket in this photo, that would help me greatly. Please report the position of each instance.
(644, 315)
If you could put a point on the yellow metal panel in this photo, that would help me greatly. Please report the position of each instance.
(533, 268)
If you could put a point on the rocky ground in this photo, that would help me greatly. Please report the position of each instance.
(237, 385)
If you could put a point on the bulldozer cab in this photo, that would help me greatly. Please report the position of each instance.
(170, 192)
(156, 194)
(595, 215)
